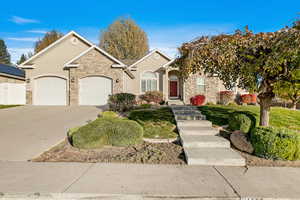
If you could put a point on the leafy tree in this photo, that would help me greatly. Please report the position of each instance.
(48, 39)
(251, 61)
(289, 90)
(125, 40)
(23, 58)
(4, 55)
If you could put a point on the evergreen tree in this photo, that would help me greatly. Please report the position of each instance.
(4, 55)
(125, 40)
(23, 58)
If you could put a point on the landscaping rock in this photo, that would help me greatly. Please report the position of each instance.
(239, 140)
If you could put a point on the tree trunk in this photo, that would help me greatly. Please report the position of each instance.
(265, 106)
(294, 105)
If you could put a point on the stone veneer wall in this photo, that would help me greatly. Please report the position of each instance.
(213, 87)
(93, 64)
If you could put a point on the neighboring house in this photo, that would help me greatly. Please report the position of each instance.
(73, 71)
(12, 85)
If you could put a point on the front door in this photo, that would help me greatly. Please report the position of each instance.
(173, 89)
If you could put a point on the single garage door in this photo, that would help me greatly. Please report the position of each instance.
(50, 90)
(94, 90)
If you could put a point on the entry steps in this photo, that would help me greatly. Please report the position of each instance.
(200, 141)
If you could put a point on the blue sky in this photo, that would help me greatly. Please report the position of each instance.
(167, 23)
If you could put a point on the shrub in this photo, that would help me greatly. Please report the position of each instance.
(210, 103)
(121, 102)
(232, 103)
(158, 130)
(248, 98)
(107, 131)
(198, 100)
(226, 97)
(152, 97)
(240, 121)
(276, 143)
(125, 133)
(108, 114)
(145, 106)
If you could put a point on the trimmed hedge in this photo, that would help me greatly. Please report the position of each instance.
(276, 143)
(159, 130)
(109, 114)
(107, 131)
(240, 121)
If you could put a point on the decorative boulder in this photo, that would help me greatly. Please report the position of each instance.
(239, 140)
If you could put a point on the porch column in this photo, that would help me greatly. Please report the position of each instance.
(167, 84)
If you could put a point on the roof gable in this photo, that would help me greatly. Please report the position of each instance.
(27, 64)
(133, 66)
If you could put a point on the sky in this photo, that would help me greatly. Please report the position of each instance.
(167, 23)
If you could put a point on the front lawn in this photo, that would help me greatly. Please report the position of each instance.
(279, 117)
(157, 123)
(7, 106)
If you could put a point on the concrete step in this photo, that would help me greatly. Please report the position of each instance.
(190, 116)
(204, 141)
(213, 156)
(191, 130)
(193, 123)
(184, 108)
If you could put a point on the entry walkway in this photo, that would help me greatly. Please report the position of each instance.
(201, 144)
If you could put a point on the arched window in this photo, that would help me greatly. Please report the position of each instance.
(149, 82)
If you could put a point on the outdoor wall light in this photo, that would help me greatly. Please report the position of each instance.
(117, 80)
(28, 80)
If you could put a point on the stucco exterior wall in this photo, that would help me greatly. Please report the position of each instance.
(152, 63)
(52, 62)
(94, 63)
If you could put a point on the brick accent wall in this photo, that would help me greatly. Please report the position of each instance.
(93, 64)
(213, 86)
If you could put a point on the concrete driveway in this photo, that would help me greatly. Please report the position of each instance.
(27, 131)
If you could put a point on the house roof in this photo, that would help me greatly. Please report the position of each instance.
(149, 54)
(13, 71)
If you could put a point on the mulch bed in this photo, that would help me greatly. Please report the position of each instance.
(147, 153)
(252, 160)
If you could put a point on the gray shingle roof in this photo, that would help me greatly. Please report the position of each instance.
(10, 70)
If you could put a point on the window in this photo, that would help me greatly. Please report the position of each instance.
(149, 82)
(200, 85)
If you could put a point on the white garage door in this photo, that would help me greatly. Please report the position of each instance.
(12, 93)
(94, 90)
(50, 90)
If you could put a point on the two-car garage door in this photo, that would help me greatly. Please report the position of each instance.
(52, 90)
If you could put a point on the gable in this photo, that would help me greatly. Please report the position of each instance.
(60, 52)
(154, 58)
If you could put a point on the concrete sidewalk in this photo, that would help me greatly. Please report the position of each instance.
(135, 181)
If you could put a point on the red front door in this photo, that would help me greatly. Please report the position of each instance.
(173, 89)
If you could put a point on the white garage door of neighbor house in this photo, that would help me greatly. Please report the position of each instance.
(50, 90)
(94, 90)
(12, 93)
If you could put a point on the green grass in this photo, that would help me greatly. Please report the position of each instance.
(157, 123)
(279, 117)
(7, 106)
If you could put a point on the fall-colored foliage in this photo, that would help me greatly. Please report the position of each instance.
(125, 40)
